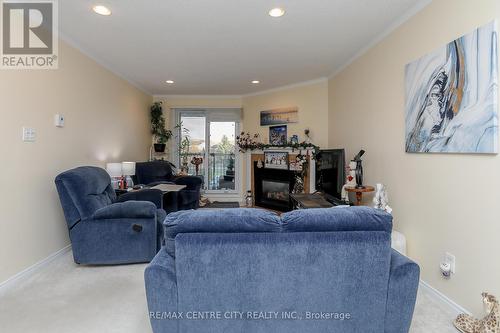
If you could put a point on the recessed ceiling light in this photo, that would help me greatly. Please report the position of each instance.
(102, 10)
(277, 12)
(255, 81)
(169, 82)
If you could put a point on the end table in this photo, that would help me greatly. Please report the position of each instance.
(359, 192)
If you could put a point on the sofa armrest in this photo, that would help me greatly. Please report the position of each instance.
(126, 210)
(151, 195)
(161, 292)
(402, 293)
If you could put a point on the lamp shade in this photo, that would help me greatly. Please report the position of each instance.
(114, 169)
(128, 168)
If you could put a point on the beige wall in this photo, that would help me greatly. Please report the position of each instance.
(312, 101)
(106, 120)
(441, 202)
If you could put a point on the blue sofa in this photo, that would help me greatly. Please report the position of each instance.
(104, 229)
(248, 270)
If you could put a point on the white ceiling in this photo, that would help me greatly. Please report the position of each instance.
(217, 47)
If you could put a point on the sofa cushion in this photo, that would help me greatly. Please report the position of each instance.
(337, 219)
(239, 220)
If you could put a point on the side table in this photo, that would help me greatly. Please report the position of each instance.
(359, 192)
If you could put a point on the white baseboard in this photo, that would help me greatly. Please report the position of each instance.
(34, 268)
(439, 296)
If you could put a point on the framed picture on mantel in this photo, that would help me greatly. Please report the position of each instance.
(277, 135)
(276, 160)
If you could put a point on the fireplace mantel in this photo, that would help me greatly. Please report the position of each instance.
(255, 155)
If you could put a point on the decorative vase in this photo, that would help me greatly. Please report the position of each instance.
(160, 147)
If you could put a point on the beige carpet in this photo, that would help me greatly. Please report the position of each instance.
(64, 297)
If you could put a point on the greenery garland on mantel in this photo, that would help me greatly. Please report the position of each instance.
(246, 141)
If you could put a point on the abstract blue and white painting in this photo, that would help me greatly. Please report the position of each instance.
(451, 96)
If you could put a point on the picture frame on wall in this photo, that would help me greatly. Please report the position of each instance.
(276, 160)
(452, 96)
(279, 116)
(278, 135)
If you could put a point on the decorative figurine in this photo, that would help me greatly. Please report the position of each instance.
(489, 324)
(249, 199)
(359, 169)
(350, 181)
(381, 200)
(298, 187)
(307, 134)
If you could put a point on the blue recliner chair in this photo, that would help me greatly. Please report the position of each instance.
(248, 270)
(104, 230)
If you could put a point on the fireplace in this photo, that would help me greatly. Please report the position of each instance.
(273, 187)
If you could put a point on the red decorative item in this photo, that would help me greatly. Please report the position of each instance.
(197, 161)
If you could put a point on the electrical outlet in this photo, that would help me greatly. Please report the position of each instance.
(29, 134)
(450, 259)
(59, 120)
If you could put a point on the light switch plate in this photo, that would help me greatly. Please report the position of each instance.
(29, 134)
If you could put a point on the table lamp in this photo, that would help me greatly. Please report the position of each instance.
(128, 170)
(115, 171)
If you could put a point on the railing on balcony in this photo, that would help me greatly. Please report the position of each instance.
(221, 170)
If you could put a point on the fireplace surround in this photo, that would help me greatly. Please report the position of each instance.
(273, 187)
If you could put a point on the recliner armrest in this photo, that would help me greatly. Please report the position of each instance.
(128, 209)
(151, 195)
(192, 182)
(402, 293)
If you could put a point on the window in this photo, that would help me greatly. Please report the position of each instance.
(211, 135)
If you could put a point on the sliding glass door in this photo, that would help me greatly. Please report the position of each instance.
(211, 135)
(221, 156)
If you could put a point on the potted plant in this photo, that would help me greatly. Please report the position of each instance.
(160, 134)
(184, 147)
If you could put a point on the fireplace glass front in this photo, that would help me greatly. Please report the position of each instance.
(275, 191)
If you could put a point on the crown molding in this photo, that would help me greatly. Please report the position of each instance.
(101, 62)
(396, 24)
(187, 96)
(287, 87)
